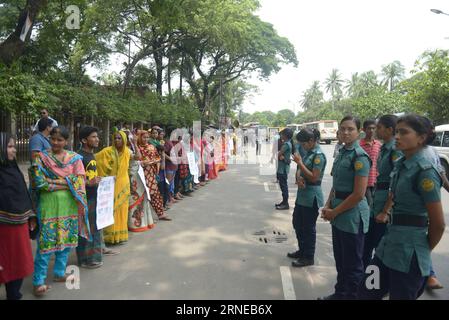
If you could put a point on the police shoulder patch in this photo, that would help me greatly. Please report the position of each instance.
(394, 157)
(317, 160)
(358, 165)
(427, 185)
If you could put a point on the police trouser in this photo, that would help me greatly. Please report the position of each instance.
(348, 253)
(282, 178)
(304, 223)
(372, 239)
(400, 285)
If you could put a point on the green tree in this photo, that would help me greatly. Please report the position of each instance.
(428, 89)
(312, 97)
(333, 85)
(392, 74)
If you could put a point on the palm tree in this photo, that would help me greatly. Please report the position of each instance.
(333, 85)
(353, 86)
(367, 82)
(312, 97)
(392, 73)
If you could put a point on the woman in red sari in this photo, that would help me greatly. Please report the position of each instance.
(151, 162)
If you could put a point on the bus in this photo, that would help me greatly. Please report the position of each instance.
(327, 128)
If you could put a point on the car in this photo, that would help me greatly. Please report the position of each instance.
(441, 144)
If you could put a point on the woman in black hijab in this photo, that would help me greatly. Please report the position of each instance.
(16, 220)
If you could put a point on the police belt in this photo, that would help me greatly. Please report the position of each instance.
(318, 183)
(409, 220)
(342, 195)
(383, 186)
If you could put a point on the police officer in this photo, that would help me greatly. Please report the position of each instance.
(385, 130)
(309, 197)
(348, 211)
(402, 258)
(284, 160)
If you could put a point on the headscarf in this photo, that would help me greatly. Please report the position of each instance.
(113, 162)
(110, 159)
(15, 202)
(148, 150)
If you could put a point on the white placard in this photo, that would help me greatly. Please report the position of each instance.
(144, 181)
(105, 202)
(193, 167)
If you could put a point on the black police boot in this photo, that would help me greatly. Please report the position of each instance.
(294, 255)
(278, 204)
(283, 207)
(303, 262)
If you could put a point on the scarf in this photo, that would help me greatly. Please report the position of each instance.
(15, 201)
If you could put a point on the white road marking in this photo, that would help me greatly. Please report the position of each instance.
(267, 189)
(287, 284)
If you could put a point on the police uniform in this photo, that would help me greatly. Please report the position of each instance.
(308, 201)
(385, 164)
(403, 254)
(284, 169)
(349, 227)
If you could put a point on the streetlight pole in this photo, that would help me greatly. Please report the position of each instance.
(437, 11)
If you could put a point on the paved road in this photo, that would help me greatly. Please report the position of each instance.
(209, 250)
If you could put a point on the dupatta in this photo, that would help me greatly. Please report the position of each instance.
(48, 166)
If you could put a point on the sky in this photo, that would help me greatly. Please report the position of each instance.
(350, 35)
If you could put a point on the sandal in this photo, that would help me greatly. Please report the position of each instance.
(110, 252)
(165, 218)
(41, 290)
(61, 279)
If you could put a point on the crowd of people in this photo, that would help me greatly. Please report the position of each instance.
(384, 206)
(58, 209)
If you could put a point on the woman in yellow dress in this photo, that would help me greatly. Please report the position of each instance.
(114, 161)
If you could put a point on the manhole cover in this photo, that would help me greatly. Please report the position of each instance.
(269, 235)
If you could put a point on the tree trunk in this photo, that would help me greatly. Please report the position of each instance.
(169, 75)
(12, 48)
(181, 70)
(158, 60)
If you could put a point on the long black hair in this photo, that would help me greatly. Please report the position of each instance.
(353, 119)
(305, 135)
(60, 130)
(422, 125)
(389, 121)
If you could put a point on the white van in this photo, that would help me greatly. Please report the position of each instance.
(441, 144)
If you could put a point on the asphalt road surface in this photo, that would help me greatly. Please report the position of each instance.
(226, 242)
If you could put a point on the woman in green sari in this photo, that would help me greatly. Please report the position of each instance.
(57, 177)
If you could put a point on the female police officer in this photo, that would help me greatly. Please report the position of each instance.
(386, 129)
(309, 197)
(348, 211)
(402, 260)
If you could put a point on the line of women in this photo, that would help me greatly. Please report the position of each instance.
(59, 212)
(385, 249)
